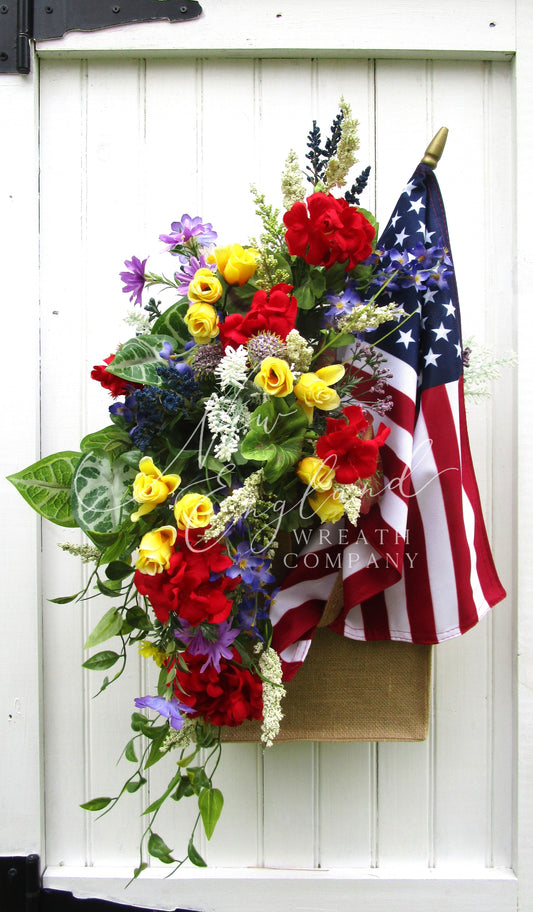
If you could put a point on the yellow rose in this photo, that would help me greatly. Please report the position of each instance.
(236, 264)
(314, 390)
(151, 487)
(205, 288)
(315, 474)
(327, 506)
(193, 511)
(155, 550)
(202, 322)
(275, 377)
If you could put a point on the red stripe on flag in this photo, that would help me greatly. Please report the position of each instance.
(486, 570)
(418, 600)
(440, 424)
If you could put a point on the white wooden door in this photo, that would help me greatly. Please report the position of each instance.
(129, 129)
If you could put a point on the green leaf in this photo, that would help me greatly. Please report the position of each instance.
(118, 570)
(112, 439)
(157, 848)
(155, 754)
(171, 323)
(129, 751)
(184, 789)
(317, 280)
(305, 297)
(186, 760)
(138, 722)
(159, 801)
(117, 547)
(335, 277)
(99, 489)
(96, 804)
(101, 660)
(65, 599)
(210, 804)
(108, 626)
(137, 618)
(194, 856)
(277, 430)
(198, 778)
(138, 358)
(106, 590)
(135, 784)
(142, 867)
(46, 486)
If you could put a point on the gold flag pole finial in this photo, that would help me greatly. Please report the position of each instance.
(436, 148)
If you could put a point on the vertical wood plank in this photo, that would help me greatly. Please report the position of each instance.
(21, 795)
(523, 84)
(346, 803)
(62, 328)
(290, 806)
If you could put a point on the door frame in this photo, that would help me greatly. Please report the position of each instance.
(498, 30)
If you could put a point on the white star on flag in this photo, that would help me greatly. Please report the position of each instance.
(405, 337)
(441, 332)
(431, 358)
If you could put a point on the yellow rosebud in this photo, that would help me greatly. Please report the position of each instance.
(236, 264)
(193, 511)
(205, 288)
(202, 322)
(327, 506)
(275, 377)
(315, 473)
(155, 550)
(313, 390)
(151, 487)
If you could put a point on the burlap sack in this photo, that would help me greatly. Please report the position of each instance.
(352, 691)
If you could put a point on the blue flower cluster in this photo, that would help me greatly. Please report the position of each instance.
(151, 408)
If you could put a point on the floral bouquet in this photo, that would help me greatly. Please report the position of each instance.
(239, 415)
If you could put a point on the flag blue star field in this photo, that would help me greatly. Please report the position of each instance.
(417, 567)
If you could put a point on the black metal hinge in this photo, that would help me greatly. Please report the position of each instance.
(20, 883)
(23, 20)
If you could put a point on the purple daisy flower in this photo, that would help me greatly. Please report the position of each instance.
(188, 228)
(134, 279)
(187, 272)
(216, 645)
(169, 709)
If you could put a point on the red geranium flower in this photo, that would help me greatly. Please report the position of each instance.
(227, 697)
(271, 311)
(116, 385)
(190, 587)
(328, 231)
(348, 447)
(230, 332)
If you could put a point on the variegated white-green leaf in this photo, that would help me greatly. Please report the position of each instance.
(46, 485)
(138, 358)
(171, 323)
(99, 490)
(112, 439)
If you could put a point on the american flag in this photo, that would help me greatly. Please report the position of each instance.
(417, 568)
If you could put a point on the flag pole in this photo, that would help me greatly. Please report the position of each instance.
(435, 149)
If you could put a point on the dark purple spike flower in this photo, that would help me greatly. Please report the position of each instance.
(134, 279)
